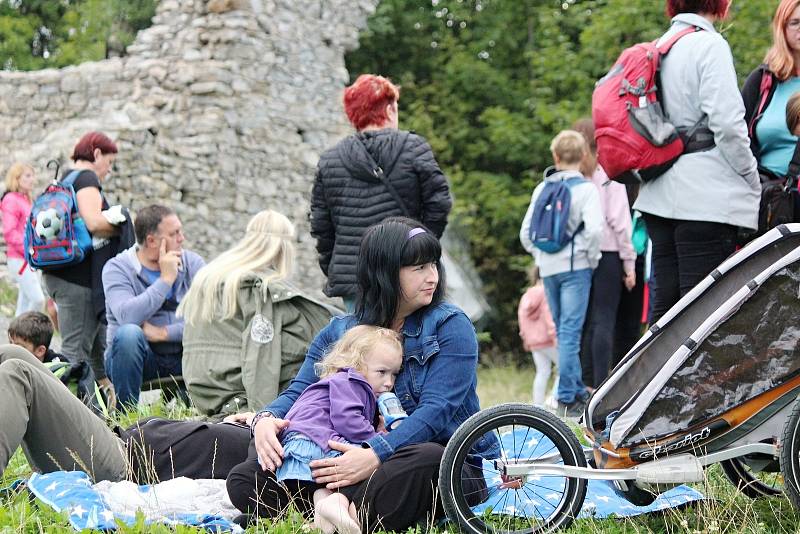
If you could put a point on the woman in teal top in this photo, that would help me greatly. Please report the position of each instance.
(777, 142)
(767, 90)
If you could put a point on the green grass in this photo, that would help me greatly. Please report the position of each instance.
(726, 511)
(8, 297)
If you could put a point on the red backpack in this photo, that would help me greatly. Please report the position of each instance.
(635, 140)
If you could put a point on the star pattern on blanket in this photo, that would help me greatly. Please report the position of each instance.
(78, 511)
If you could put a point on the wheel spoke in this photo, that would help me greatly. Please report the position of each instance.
(514, 439)
(536, 508)
(545, 488)
(548, 451)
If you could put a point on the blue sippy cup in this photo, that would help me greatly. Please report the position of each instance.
(391, 410)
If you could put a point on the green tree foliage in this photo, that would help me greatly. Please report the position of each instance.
(36, 34)
(490, 82)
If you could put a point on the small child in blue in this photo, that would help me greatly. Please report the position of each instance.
(342, 406)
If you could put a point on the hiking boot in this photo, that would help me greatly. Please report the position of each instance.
(574, 410)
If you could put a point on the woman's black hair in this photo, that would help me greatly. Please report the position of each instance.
(385, 248)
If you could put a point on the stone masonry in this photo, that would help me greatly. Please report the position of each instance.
(220, 109)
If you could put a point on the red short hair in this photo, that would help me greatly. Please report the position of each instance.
(85, 148)
(365, 101)
(718, 8)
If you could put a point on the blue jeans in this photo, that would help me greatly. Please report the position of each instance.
(568, 297)
(130, 360)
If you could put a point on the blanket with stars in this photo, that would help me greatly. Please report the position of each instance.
(205, 503)
(181, 501)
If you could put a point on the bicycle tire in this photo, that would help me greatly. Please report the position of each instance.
(536, 424)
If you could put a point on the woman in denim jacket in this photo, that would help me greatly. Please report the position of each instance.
(390, 477)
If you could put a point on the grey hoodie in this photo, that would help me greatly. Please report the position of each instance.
(584, 207)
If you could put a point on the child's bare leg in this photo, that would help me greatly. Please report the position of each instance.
(354, 513)
(334, 510)
(320, 523)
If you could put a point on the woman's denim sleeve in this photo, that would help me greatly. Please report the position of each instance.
(306, 375)
(450, 378)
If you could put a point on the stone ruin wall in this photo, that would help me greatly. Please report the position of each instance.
(220, 109)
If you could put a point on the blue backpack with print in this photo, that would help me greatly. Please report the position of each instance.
(55, 234)
(548, 230)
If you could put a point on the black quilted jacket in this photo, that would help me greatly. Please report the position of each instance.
(347, 197)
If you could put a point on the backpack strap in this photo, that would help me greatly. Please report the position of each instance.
(666, 47)
(377, 170)
(701, 127)
(664, 50)
(763, 92)
(793, 174)
(571, 182)
(69, 179)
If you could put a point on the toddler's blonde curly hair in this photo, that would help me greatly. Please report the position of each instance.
(352, 349)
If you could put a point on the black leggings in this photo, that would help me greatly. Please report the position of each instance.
(684, 252)
(628, 329)
(598, 344)
(400, 494)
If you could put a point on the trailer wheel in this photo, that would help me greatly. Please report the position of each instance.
(753, 484)
(476, 496)
(790, 456)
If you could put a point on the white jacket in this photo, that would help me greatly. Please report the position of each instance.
(584, 208)
(719, 185)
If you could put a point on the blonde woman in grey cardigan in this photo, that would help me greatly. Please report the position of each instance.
(247, 328)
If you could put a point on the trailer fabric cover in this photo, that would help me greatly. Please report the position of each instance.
(752, 352)
(655, 350)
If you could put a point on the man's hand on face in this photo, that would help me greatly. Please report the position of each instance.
(169, 263)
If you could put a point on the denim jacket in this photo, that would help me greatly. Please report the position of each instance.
(436, 385)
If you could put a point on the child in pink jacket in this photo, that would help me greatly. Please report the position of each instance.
(15, 206)
(538, 333)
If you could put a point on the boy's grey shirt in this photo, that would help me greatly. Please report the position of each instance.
(585, 207)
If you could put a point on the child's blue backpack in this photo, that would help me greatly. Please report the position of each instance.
(548, 230)
(55, 234)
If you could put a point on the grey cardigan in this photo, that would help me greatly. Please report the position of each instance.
(719, 185)
(131, 299)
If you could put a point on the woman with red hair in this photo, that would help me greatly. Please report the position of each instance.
(378, 172)
(83, 332)
(767, 91)
(694, 210)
